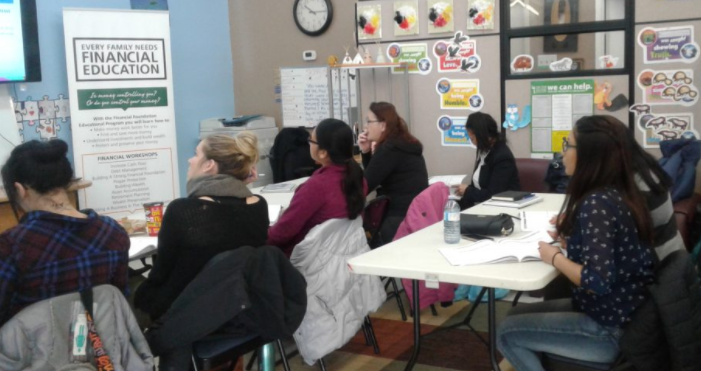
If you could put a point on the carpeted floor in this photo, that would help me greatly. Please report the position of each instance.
(457, 349)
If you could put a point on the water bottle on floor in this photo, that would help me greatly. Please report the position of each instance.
(451, 222)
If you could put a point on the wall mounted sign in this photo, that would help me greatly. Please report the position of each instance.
(672, 44)
(406, 18)
(410, 54)
(460, 94)
(556, 106)
(369, 21)
(459, 54)
(522, 63)
(440, 16)
(668, 87)
(453, 133)
(660, 127)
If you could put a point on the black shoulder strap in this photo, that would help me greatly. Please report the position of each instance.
(86, 298)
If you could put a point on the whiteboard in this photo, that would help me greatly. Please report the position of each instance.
(305, 95)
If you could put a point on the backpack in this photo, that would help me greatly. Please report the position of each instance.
(555, 176)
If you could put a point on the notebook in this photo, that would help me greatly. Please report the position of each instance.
(274, 212)
(514, 204)
(512, 196)
(504, 250)
(278, 188)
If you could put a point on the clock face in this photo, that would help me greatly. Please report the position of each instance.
(313, 17)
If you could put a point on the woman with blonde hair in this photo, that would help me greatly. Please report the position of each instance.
(219, 214)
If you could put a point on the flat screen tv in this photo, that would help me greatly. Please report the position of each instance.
(19, 42)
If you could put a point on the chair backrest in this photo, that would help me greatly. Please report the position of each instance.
(426, 209)
(289, 157)
(531, 174)
(373, 215)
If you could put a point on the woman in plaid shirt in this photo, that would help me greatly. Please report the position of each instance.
(55, 249)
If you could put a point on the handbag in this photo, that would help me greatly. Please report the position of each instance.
(488, 225)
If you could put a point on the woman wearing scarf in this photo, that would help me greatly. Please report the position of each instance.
(219, 214)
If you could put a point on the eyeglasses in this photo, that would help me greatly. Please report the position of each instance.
(311, 141)
(371, 121)
(566, 146)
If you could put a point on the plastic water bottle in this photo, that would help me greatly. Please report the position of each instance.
(451, 222)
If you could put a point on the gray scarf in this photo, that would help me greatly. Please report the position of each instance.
(219, 185)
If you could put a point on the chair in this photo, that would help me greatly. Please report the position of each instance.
(531, 174)
(217, 351)
(675, 272)
(685, 212)
(373, 216)
(289, 155)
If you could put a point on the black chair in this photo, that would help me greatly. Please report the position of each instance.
(217, 351)
(373, 216)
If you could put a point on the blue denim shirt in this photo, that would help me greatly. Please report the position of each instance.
(616, 265)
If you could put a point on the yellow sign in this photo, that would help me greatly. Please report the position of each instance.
(460, 94)
(559, 137)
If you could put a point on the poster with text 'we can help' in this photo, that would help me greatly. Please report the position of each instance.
(121, 96)
(556, 106)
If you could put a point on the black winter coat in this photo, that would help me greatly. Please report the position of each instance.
(250, 290)
(665, 332)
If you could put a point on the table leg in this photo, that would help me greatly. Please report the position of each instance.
(417, 326)
(492, 331)
(266, 357)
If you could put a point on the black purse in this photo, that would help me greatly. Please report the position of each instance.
(488, 225)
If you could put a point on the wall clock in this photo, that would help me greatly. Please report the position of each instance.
(313, 17)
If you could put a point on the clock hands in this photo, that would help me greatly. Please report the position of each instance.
(309, 9)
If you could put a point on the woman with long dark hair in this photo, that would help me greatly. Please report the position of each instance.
(396, 166)
(337, 190)
(495, 167)
(607, 231)
(55, 249)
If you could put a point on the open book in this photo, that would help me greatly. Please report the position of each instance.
(503, 250)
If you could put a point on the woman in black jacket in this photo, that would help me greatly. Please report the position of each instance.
(396, 164)
(495, 167)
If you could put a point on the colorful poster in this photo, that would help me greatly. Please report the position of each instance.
(460, 94)
(121, 104)
(440, 16)
(369, 21)
(480, 14)
(453, 133)
(665, 45)
(556, 106)
(458, 54)
(410, 54)
(668, 87)
(660, 127)
(406, 18)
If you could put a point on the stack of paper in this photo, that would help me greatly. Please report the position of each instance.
(514, 204)
(274, 212)
(278, 188)
(449, 180)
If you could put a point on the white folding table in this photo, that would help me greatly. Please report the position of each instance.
(416, 257)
